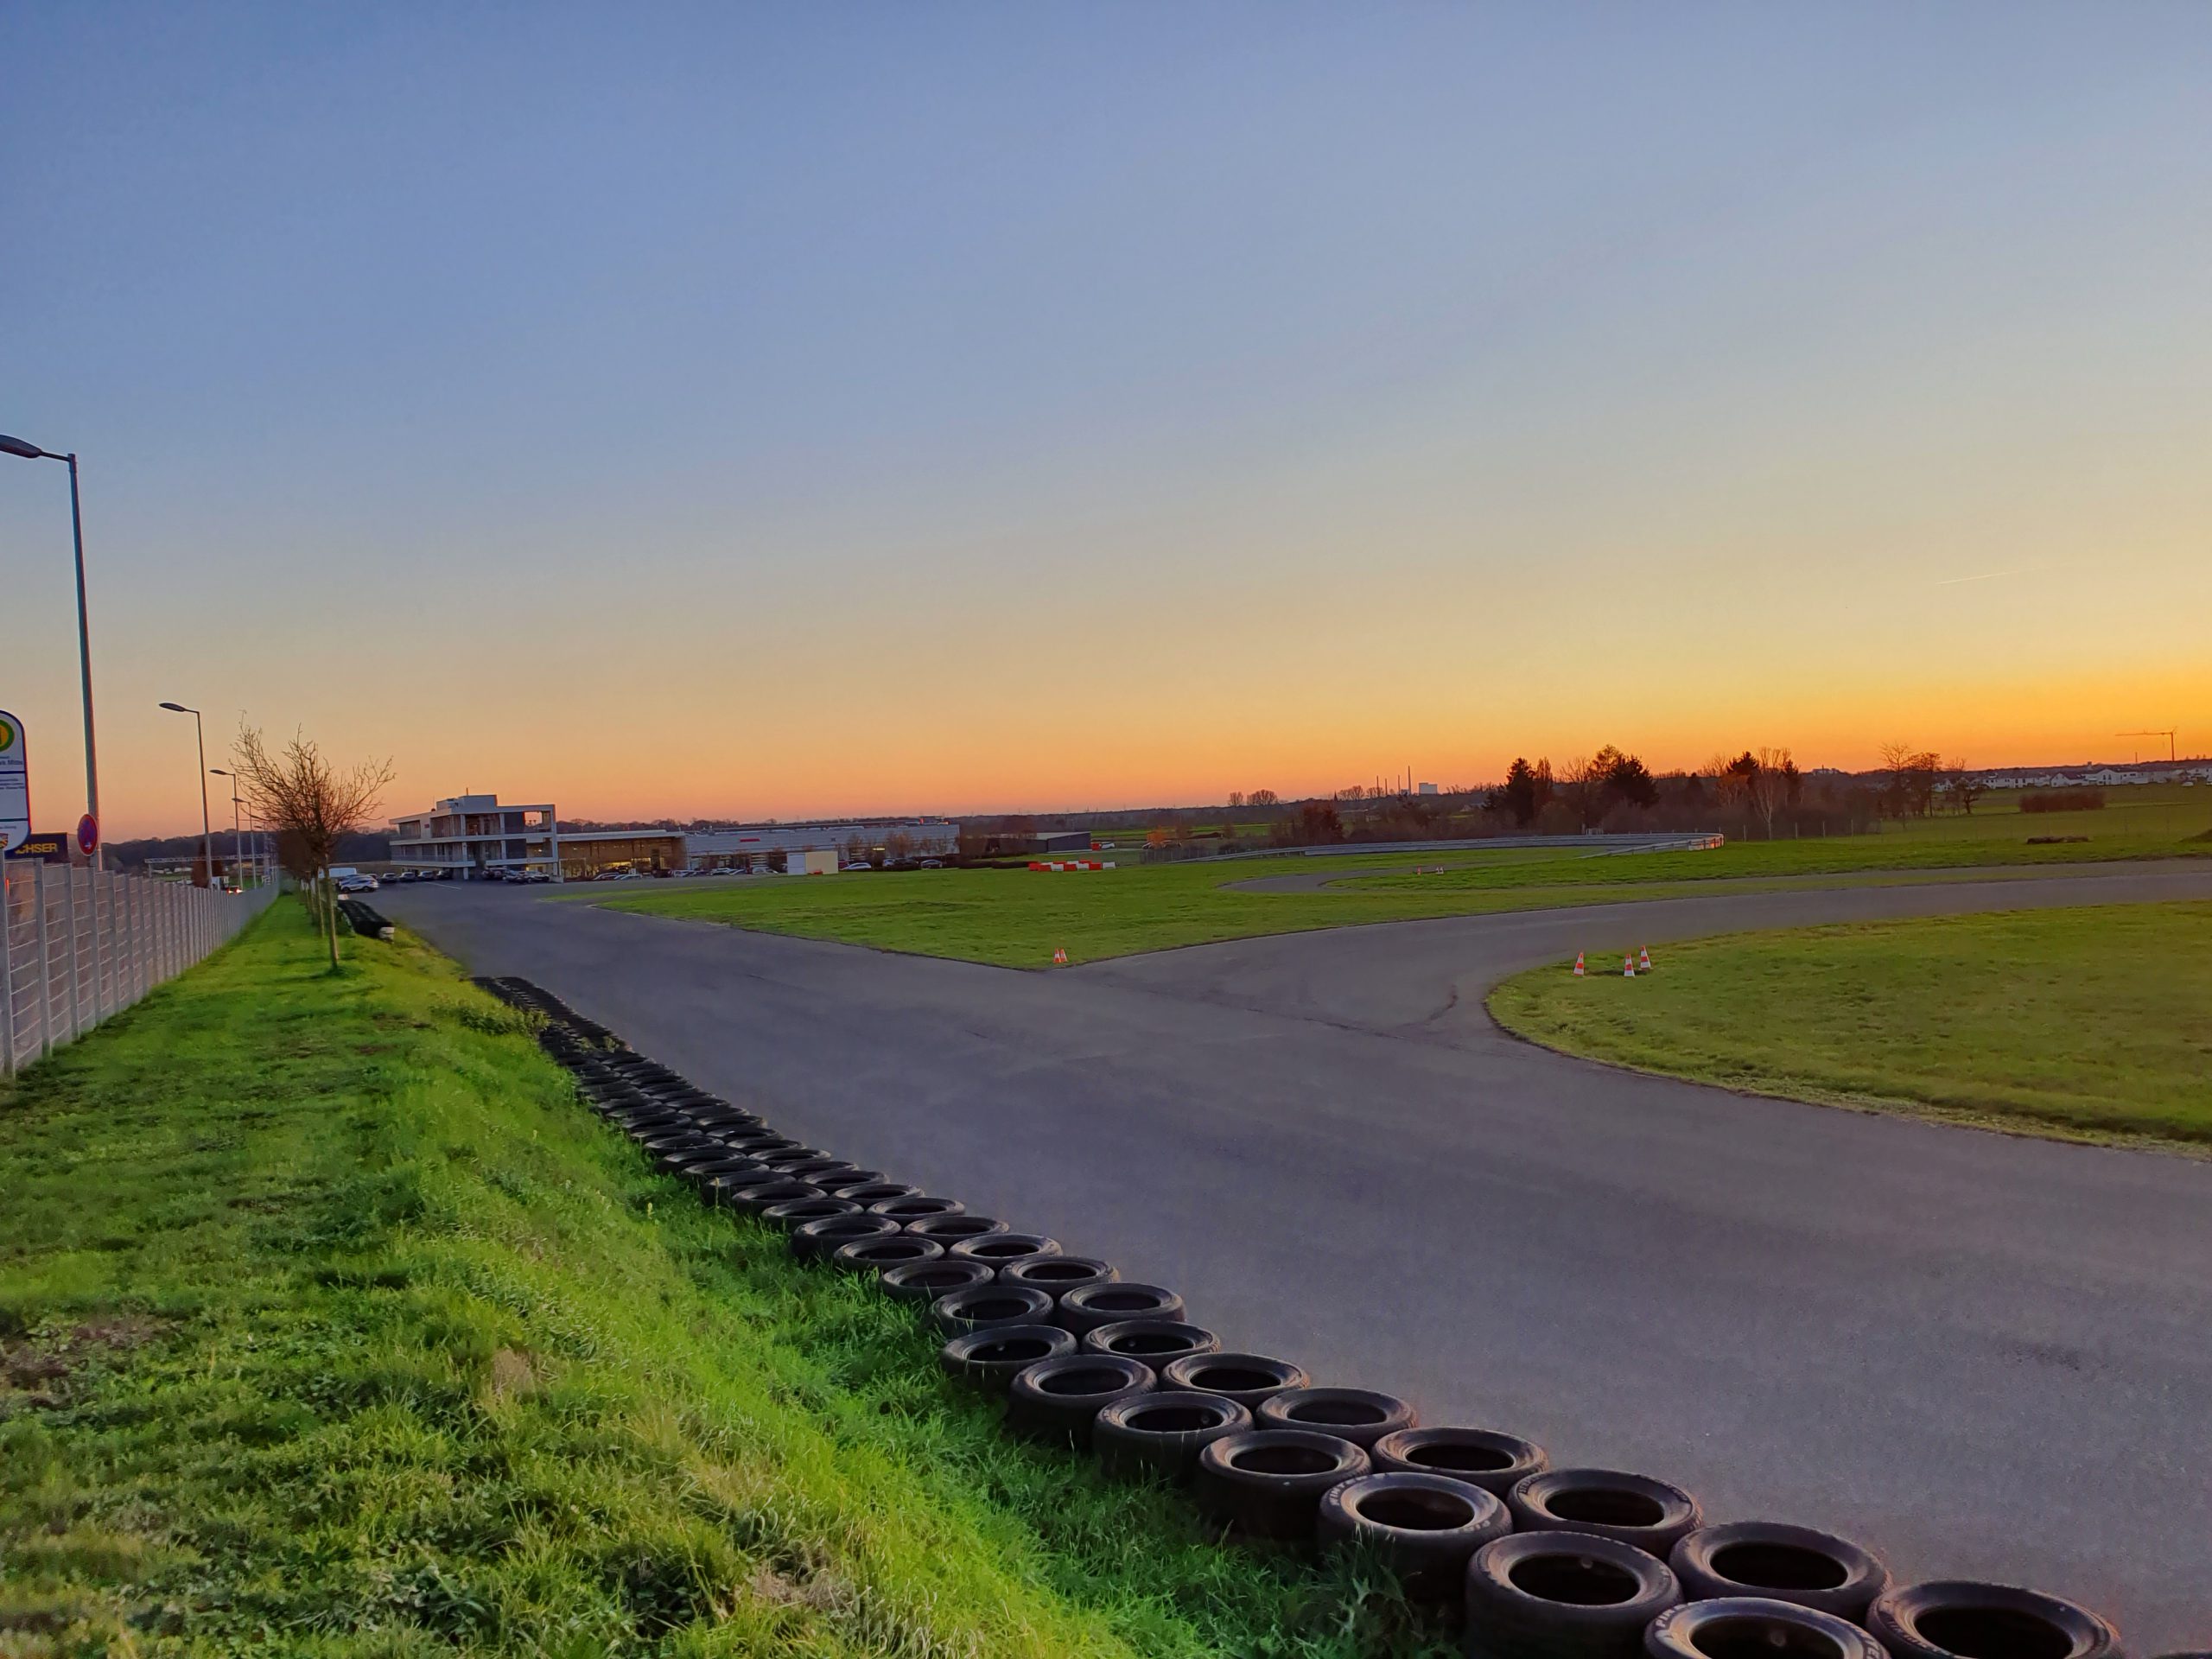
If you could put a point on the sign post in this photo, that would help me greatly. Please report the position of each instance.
(14, 784)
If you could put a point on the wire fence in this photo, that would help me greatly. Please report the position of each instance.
(78, 945)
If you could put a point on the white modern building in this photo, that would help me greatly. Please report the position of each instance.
(474, 835)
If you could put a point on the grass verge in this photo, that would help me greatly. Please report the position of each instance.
(330, 1324)
(1017, 918)
(2084, 1023)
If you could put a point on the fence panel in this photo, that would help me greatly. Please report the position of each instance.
(78, 946)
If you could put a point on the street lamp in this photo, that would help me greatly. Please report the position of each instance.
(237, 825)
(207, 835)
(32, 452)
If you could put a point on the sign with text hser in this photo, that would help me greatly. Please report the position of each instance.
(14, 784)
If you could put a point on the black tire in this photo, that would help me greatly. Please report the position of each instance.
(824, 1173)
(1950, 1618)
(1088, 1306)
(1732, 1625)
(1767, 1561)
(812, 1241)
(884, 1250)
(867, 1192)
(1058, 1274)
(797, 1212)
(915, 1205)
(1060, 1399)
(1161, 1432)
(1635, 1509)
(925, 1281)
(998, 1248)
(1156, 1341)
(703, 1176)
(1268, 1483)
(1481, 1457)
(949, 1230)
(1564, 1595)
(989, 1304)
(991, 1358)
(754, 1199)
(1246, 1379)
(1360, 1416)
(1425, 1527)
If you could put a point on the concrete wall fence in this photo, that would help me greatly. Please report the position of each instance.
(77, 945)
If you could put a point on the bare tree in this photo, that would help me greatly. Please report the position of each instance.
(1263, 798)
(310, 805)
(1236, 799)
(1964, 785)
(1768, 785)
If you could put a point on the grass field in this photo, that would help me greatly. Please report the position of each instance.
(1018, 917)
(2087, 1023)
(331, 1325)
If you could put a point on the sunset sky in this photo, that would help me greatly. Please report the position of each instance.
(805, 410)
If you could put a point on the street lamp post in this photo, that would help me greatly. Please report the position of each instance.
(238, 825)
(32, 452)
(206, 835)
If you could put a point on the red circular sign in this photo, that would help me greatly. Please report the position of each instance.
(88, 835)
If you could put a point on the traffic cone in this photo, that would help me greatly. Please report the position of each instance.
(1628, 967)
(1060, 958)
(1643, 960)
(1580, 970)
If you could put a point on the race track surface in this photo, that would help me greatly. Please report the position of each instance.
(1986, 1356)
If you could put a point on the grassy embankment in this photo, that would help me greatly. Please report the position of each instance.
(331, 1324)
(1017, 918)
(2084, 1023)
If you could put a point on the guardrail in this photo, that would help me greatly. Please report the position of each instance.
(77, 945)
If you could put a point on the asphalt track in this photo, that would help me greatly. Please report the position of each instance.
(1987, 1356)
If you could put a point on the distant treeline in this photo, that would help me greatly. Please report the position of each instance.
(362, 849)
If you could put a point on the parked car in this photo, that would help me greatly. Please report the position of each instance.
(357, 883)
(933, 863)
(860, 864)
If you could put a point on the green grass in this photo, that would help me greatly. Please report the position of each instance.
(2087, 1023)
(1017, 918)
(331, 1324)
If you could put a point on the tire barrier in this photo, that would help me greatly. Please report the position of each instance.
(1751, 1624)
(365, 920)
(1609, 1503)
(1360, 1415)
(1766, 1560)
(1246, 1379)
(1564, 1595)
(992, 1357)
(1088, 1306)
(1958, 1620)
(1156, 1341)
(1425, 1527)
(1268, 1483)
(1003, 1246)
(1060, 1399)
(1161, 1432)
(1544, 1563)
(1478, 1456)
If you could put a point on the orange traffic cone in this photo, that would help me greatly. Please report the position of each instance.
(1628, 967)
(1643, 960)
(1060, 958)
(1580, 970)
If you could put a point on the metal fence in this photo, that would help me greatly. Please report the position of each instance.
(77, 946)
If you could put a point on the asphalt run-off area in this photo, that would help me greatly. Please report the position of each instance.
(1987, 1356)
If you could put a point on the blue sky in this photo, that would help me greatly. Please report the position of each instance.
(781, 410)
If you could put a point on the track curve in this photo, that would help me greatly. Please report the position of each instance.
(1990, 1357)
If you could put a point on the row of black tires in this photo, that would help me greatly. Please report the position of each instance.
(365, 919)
(1544, 1562)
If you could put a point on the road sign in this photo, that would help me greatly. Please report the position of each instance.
(14, 784)
(88, 835)
(40, 848)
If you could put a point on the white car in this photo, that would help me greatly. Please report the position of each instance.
(357, 884)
